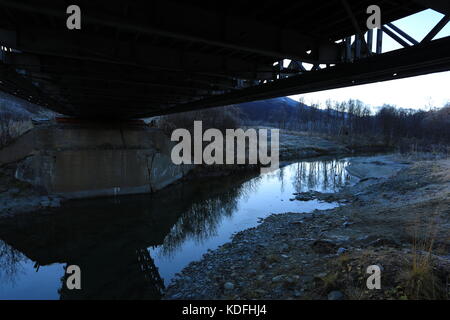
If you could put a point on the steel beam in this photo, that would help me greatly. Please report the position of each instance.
(402, 33)
(379, 49)
(395, 37)
(276, 42)
(442, 6)
(109, 50)
(439, 26)
(407, 62)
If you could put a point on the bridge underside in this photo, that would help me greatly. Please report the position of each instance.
(135, 59)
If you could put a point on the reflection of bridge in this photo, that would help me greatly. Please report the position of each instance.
(108, 242)
(135, 58)
(109, 239)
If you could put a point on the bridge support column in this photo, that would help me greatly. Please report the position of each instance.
(78, 160)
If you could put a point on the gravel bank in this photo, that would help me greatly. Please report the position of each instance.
(324, 255)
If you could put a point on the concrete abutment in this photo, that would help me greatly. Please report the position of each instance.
(79, 160)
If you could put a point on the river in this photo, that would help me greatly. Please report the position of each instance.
(131, 247)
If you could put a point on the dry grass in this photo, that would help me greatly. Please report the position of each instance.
(420, 280)
(329, 281)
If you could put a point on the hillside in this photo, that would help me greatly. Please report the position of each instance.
(269, 111)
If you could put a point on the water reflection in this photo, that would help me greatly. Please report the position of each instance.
(116, 274)
(325, 176)
(128, 248)
(10, 260)
(202, 219)
(109, 238)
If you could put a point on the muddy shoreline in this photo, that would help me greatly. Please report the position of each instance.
(397, 217)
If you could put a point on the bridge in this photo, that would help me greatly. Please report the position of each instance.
(135, 59)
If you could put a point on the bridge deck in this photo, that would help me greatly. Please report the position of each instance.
(140, 58)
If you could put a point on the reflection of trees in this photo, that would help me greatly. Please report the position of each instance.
(203, 217)
(324, 175)
(10, 262)
(201, 220)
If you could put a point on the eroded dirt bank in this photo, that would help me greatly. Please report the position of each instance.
(396, 217)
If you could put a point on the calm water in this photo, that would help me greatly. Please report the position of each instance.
(131, 247)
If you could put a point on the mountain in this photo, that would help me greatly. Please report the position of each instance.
(269, 111)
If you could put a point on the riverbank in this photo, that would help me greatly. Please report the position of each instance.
(396, 217)
(18, 197)
(297, 145)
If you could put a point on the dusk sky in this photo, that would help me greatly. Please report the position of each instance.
(417, 92)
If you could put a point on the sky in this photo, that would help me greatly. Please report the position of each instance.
(420, 92)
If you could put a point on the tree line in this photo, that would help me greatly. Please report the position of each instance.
(353, 118)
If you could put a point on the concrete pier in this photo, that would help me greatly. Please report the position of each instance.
(79, 160)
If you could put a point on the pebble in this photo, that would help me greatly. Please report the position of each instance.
(177, 296)
(278, 278)
(335, 295)
(228, 286)
(297, 293)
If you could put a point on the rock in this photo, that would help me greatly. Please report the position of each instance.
(177, 296)
(297, 293)
(45, 202)
(290, 280)
(339, 239)
(324, 246)
(305, 196)
(335, 295)
(384, 242)
(302, 198)
(278, 278)
(228, 286)
(346, 224)
(362, 238)
(320, 275)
